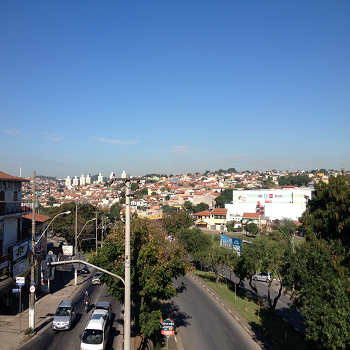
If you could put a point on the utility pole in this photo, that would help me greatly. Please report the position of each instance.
(96, 232)
(127, 266)
(76, 228)
(32, 263)
(76, 240)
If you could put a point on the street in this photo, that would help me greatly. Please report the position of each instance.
(203, 323)
(57, 340)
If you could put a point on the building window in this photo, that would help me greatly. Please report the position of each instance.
(15, 196)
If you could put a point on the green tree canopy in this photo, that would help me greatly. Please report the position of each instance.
(115, 211)
(328, 213)
(134, 186)
(155, 261)
(200, 207)
(252, 228)
(225, 197)
(173, 222)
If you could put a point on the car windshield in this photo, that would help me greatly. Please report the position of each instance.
(92, 336)
(100, 307)
(63, 311)
(98, 274)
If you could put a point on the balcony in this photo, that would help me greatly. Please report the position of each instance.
(11, 208)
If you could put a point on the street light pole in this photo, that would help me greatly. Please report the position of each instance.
(32, 262)
(76, 227)
(82, 230)
(127, 266)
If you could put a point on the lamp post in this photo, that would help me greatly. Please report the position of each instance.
(76, 242)
(32, 260)
(76, 239)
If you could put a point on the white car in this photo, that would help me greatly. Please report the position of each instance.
(96, 278)
(105, 305)
(263, 276)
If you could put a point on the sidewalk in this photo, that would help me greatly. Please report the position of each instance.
(45, 306)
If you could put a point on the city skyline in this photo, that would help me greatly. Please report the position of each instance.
(173, 87)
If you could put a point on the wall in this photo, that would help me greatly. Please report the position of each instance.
(278, 203)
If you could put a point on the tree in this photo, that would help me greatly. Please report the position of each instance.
(328, 215)
(155, 261)
(225, 197)
(114, 212)
(167, 209)
(267, 255)
(175, 221)
(195, 242)
(134, 186)
(216, 258)
(319, 280)
(188, 206)
(319, 270)
(252, 228)
(200, 207)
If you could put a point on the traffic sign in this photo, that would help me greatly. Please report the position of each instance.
(79, 256)
(15, 290)
(20, 281)
(168, 327)
(32, 289)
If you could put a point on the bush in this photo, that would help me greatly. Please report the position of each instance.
(28, 331)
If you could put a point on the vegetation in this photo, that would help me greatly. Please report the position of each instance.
(291, 180)
(64, 225)
(155, 261)
(175, 221)
(319, 271)
(188, 206)
(225, 197)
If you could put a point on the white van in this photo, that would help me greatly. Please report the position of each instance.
(96, 332)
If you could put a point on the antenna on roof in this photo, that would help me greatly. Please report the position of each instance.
(20, 171)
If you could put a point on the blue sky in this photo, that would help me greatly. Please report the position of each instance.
(92, 87)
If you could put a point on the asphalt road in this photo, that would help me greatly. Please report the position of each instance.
(69, 340)
(203, 323)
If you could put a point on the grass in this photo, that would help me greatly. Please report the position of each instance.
(275, 331)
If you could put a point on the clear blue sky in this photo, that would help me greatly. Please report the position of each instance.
(173, 86)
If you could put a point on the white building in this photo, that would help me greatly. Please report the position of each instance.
(88, 180)
(112, 176)
(275, 204)
(68, 181)
(82, 180)
(75, 181)
(100, 179)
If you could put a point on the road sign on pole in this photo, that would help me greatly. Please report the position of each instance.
(168, 327)
(20, 281)
(79, 256)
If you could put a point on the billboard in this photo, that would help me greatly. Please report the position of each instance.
(231, 243)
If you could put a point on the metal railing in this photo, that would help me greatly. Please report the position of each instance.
(13, 207)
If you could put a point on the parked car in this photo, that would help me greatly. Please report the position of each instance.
(96, 278)
(84, 270)
(65, 316)
(105, 305)
(263, 276)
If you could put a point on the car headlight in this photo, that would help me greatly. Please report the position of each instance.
(66, 323)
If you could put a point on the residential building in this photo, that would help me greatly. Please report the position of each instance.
(68, 181)
(11, 210)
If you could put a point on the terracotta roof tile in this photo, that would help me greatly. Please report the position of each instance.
(4, 176)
